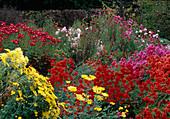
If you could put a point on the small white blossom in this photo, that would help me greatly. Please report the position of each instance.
(156, 35)
(136, 31)
(168, 47)
(145, 34)
(86, 28)
(140, 31)
(64, 29)
(144, 29)
(57, 32)
(78, 31)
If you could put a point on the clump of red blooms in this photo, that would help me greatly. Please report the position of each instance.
(21, 30)
(148, 86)
(61, 72)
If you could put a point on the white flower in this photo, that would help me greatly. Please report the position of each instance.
(57, 32)
(78, 31)
(143, 41)
(145, 34)
(78, 35)
(139, 36)
(136, 31)
(168, 47)
(144, 29)
(64, 29)
(140, 31)
(100, 48)
(158, 31)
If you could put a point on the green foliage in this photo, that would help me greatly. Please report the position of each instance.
(22, 89)
(154, 16)
(51, 4)
(86, 4)
(10, 15)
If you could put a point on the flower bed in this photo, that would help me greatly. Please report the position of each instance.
(110, 69)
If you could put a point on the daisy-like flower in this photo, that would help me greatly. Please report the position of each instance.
(98, 108)
(80, 97)
(72, 88)
(105, 94)
(12, 92)
(86, 77)
(68, 81)
(120, 108)
(123, 114)
(112, 103)
(98, 90)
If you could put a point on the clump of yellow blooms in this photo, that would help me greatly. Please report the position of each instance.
(89, 78)
(72, 88)
(98, 90)
(36, 83)
(98, 108)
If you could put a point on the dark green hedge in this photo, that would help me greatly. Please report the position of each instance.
(51, 4)
(61, 4)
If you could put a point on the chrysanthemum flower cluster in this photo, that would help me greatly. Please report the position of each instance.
(24, 93)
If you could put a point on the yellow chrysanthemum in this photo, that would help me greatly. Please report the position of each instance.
(120, 108)
(12, 92)
(80, 97)
(15, 84)
(123, 114)
(72, 88)
(36, 113)
(112, 103)
(89, 78)
(20, 93)
(99, 97)
(92, 77)
(98, 108)
(68, 82)
(17, 61)
(35, 104)
(20, 117)
(98, 90)
(17, 99)
(105, 94)
(89, 101)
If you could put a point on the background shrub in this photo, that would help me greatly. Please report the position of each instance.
(10, 15)
(154, 15)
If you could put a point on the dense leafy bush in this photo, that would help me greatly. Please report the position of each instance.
(154, 15)
(51, 4)
(10, 15)
(24, 93)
